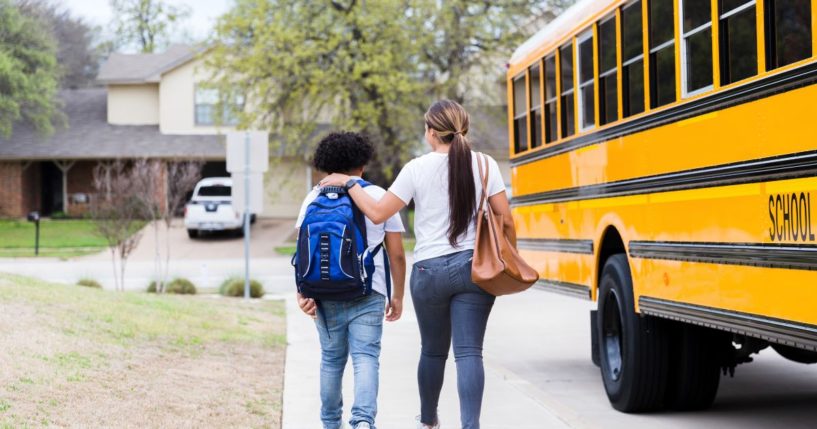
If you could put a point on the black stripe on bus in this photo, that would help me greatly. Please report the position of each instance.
(770, 329)
(792, 166)
(564, 288)
(779, 83)
(556, 245)
(789, 256)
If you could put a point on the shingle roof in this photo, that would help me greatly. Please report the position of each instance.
(89, 136)
(143, 68)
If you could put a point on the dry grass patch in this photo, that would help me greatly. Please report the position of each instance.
(83, 357)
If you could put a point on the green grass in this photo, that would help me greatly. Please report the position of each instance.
(58, 238)
(126, 318)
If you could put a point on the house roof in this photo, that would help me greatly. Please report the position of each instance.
(89, 136)
(143, 68)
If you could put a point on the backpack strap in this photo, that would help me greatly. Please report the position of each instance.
(377, 249)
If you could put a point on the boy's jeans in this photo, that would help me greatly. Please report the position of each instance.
(355, 327)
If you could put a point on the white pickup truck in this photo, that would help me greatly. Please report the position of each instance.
(211, 208)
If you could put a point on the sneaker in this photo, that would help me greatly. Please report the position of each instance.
(421, 425)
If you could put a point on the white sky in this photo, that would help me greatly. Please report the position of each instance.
(199, 25)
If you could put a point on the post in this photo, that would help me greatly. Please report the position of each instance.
(37, 237)
(247, 216)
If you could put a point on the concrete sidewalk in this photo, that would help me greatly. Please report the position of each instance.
(506, 405)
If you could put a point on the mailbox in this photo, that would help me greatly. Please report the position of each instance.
(34, 216)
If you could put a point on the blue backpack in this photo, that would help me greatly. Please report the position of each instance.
(333, 260)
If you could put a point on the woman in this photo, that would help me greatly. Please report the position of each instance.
(446, 188)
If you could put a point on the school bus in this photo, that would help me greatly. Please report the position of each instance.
(664, 160)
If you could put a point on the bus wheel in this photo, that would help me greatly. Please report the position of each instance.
(633, 349)
(696, 357)
(794, 354)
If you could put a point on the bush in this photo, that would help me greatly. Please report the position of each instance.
(89, 283)
(234, 286)
(59, 215)
(178, 286)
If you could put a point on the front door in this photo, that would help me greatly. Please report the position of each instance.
(51, 189)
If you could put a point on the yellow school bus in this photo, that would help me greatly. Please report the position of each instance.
(664, 165)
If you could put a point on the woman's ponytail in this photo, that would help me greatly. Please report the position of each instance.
(451, 122)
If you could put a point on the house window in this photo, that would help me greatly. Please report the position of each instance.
(632, 57)
(214, 109)
(608, 95)
(696, 46)
(662, 53)
(738, 40)
(550, 98)
(520, 120)
(535, 107)
(587, 117)
(566, 65)
(788, 32)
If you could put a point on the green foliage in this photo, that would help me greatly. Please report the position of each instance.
(372, 66)
(234, 286)
(180, 286)
(59, 215)
(28, 72)
(145, 23)
(152, 287)
(89, 283)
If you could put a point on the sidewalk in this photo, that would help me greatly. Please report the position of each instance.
(505, 405)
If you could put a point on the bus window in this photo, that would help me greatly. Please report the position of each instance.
(696, 47)
(566, 62)
(520, 119)
(662, 53)
(550, 99)
(632, 57)
(587, 117)
(788, 32)
(608, 92)
(738, 40)
(535, 107)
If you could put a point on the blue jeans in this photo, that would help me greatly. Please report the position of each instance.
(449, 305)
(355, 327)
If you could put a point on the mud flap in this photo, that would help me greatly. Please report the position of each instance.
(594, 339)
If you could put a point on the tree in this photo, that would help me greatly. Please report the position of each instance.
(373, 66)
(77, 53)
(181, 178)
(28, 72)
(145, 24)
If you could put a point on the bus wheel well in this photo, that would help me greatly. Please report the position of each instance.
(611, 244)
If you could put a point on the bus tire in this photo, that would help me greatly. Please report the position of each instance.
(695, 367)
(795, 355)
(633, 349)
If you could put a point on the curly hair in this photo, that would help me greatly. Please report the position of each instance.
(341, 152)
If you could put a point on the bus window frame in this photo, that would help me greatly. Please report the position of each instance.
(581, 38)
(614, 70)
(516, 116)
(684, 36)
(571, 46)
(625, 62)
(554, 99)
(669, 44)
(532, 110)
(760, 42)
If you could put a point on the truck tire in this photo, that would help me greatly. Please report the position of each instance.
(633, 349)
(192, 233)
(795, 355)
(695, 366)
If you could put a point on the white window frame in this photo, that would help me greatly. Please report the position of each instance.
(584, 37)
(685, 92)
(604, 73)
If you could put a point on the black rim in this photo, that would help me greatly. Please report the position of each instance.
(611, 336)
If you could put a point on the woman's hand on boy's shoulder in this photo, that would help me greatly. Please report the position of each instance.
(335, 179)
(307, 305)
(394, 310)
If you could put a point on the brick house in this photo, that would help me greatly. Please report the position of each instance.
(152, 106)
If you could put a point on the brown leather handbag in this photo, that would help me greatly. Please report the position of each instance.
(497, 267)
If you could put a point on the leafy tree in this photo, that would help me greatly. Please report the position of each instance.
(145, 23)
(28, 72)
(77, 53)
(373, 66)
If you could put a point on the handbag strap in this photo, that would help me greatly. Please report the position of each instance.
(483, 177)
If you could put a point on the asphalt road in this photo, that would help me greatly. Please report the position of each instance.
(545, 351)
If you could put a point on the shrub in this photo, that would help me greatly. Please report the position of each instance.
(234, 286)
(179, 286)
(89, 283)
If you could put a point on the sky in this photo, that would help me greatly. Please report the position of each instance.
(199, 25)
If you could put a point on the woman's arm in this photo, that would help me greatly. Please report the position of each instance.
(376, 211)
(499, 203)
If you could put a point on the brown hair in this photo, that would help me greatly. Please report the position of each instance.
(450, 123)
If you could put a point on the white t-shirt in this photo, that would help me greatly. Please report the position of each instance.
(374, 233)
(425, 180)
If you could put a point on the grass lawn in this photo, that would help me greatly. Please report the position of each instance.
(81, 357)
(59, 238)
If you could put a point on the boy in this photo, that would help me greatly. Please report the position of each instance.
(355, 327)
